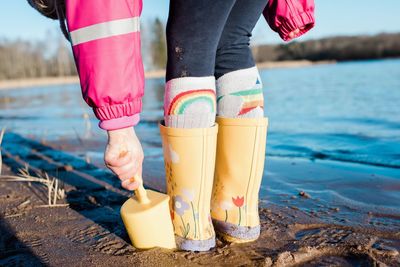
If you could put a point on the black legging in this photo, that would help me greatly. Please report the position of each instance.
(210, 37)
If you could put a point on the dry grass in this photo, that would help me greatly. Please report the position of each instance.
(54, 191)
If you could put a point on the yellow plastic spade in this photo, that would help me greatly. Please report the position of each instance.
(147, 219)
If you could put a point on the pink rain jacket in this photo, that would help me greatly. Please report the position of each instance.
(290, 18)
(105, 37)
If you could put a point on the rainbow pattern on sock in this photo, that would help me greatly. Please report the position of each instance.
(252, 99)
(185, 99)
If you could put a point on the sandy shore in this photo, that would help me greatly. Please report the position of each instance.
(23, 83)
(87, 230)
(292, 64)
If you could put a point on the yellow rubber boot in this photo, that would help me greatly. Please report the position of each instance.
(189, 157)
(238, 174)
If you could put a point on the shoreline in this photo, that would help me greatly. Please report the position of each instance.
(46, 81)
(88, 224)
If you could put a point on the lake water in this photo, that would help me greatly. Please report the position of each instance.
(335, 115)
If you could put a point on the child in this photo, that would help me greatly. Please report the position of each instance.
(214, 129)
(210, 71)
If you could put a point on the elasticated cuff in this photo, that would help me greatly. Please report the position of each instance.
(119, 116)
(303, 20)
(115, 111)
(119, 123)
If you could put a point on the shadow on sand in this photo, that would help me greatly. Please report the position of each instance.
(13, 252)
(92, 192)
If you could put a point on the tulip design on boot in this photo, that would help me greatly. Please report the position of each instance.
(238, 173)
(189, 157)
(239, 201)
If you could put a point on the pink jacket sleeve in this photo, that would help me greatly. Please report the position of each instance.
(287, 16)
(105, 39)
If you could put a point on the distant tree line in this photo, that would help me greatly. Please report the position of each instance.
(20, 59)
(333, 48)
(27, 59)
(23, 59)
(158, 45)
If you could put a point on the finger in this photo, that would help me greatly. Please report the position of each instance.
(130, 167)
(133, 186)
(116, 161)
(129, 184)
(294, 33)
(119, 160)
(127, 175)
(134, 164)
(120, 170)
(134, 176)
(133, 182)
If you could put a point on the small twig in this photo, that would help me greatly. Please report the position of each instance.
(12, 178)
(23, 204)
(13, 215)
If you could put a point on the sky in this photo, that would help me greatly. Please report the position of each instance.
(333, 17)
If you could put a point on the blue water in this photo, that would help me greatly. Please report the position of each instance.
(334, 115)
(347, 112)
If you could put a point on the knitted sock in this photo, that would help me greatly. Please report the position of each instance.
(240, 94)
(189, 102)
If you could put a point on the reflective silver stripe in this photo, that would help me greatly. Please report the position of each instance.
(105, 29)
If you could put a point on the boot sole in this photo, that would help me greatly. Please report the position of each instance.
(233, 233)
(194, 245)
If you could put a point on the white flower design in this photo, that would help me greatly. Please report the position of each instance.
(189, 194)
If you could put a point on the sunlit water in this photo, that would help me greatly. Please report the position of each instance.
(335, 114)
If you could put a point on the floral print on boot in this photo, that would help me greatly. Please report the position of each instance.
(189, 157)
(238, 173)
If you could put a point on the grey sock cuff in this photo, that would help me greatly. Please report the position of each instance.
(190, 102)
(204, 120)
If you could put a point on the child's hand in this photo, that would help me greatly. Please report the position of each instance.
(124, 156)
(296, 32)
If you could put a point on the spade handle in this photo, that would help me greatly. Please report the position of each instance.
(141, 193)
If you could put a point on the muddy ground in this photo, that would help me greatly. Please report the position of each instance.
(88, 231)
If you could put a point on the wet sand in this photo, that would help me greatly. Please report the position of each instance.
(90, 232)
